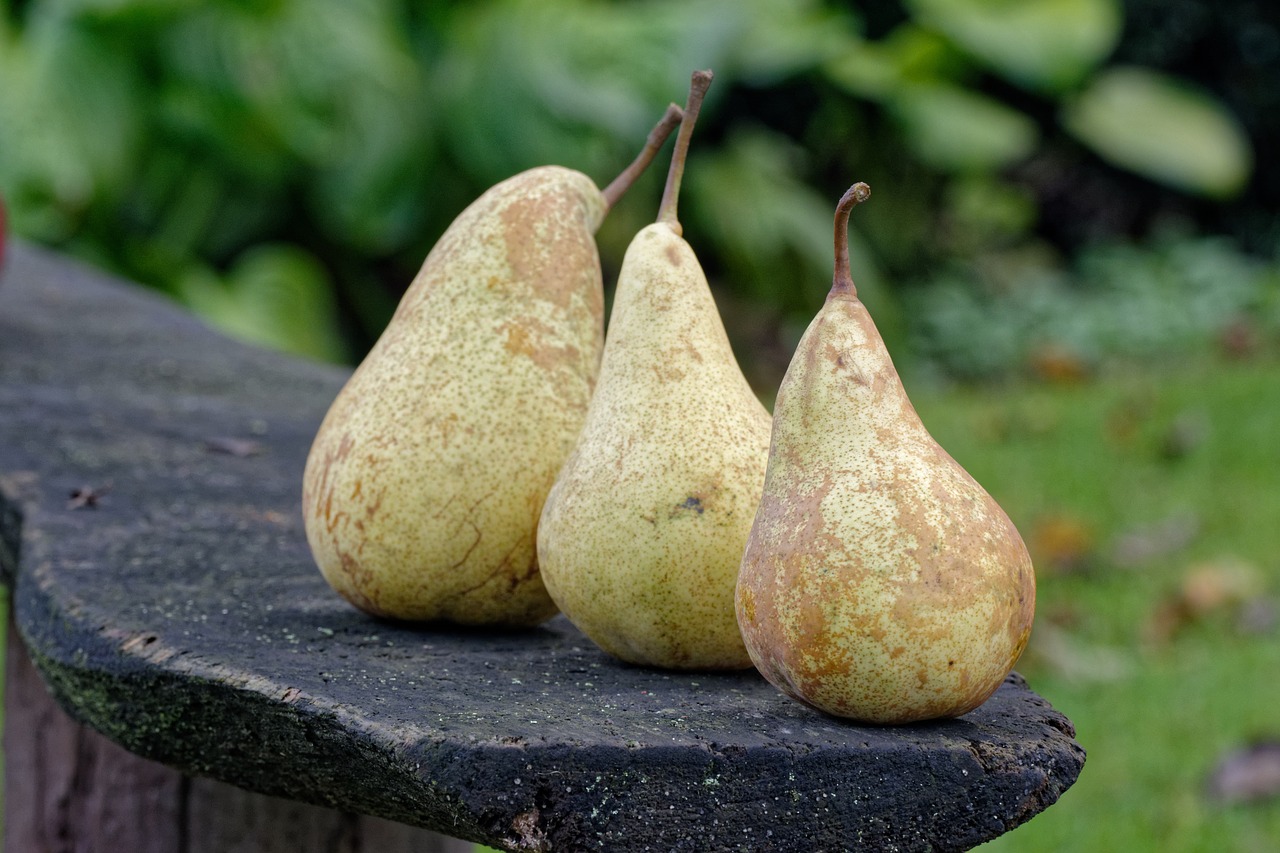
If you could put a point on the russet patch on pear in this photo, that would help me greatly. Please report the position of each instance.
(425, 481)
(880, 582)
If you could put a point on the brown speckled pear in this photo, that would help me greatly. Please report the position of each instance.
(425, 482)
(642, 534)
(880, 582)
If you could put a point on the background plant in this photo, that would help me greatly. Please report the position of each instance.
(283, 167)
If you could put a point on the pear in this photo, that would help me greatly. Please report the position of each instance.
(880, 582)
(642, 534)
(425, 481)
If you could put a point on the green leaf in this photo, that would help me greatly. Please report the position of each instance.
(1046, 45)
(327, 91)
(288, 74)
(982, 211)
(777, 236)
(879, 69)
(276, 295)
(118, 11)
(957, 130)
(866, 70)
(524, 84)
(577, 82)
(70, 127)
(784, 37)
(1163, 129)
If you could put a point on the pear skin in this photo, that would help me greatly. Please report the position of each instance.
(881, 582)
(424, 484)
(642, 534)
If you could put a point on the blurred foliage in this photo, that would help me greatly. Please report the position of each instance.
(1117, 301)
(1211, 156)
(284, 167)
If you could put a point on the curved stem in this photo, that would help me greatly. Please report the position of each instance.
(619, 186)
(843, 280)
(698, 86)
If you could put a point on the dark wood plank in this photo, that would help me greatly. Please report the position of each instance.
(182, 616)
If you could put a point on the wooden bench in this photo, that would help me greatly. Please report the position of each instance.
(161, 585)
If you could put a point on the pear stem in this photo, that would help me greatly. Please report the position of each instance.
(842, 281)
(698, 86)
(664, 128)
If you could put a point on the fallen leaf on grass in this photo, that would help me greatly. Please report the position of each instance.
(1069, 657)
(1123, 422)
(1056, 364)
(1063, 543)
(1185, 435)
(1213, 586)
(1168, 536)
(1240, 339)
(1247, 775)
(1258, 617)
(1206, 590)
(1062, 614)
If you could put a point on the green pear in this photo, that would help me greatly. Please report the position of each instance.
(425, 482)
(642, 534)
(880, 582)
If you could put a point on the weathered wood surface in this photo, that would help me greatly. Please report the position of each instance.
(68, 788)
(180, 614)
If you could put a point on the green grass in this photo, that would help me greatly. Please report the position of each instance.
(1155, 717)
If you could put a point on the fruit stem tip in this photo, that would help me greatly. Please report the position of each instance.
(657, 136)
(842, 280)
(698, 85)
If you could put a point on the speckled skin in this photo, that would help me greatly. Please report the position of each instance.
(642, 535)
(880, 583)
(424, 485)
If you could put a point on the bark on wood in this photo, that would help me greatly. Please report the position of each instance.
(67, 789)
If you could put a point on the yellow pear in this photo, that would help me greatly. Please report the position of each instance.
(642, 534)
(880, 582)
(424, 485)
